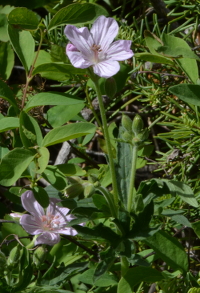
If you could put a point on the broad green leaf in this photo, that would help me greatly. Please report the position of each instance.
(11, 228)
(169, 249)
(188, 93)
(3, 28)
(59, 115)
(23, 44)
(189, 66)
(52, 99)
(77, 14)
(6, 60)
(30, 132)
(136, 275)
(183, 190)
(181, 220)
(43, 159)
(71, 170)
(7, 94)
(14, 164)
(155, 58)
(105, 280)
(8, 123)
(24, 19)
(57, 71)
(67, 132)
(55, 177)
(196, 227)
(152, 42)
(41, 196)
(43, 57)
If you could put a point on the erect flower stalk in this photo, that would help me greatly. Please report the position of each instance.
(107, 138)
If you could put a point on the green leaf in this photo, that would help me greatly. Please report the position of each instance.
(8, 123)
(23, 44)
(189, 66)
(67, 132)
(196, 227)
(43, 57)
(10, 228)
(57, 71)
(71, 170)
(6, 60)
(59, 115)
(155, 58)
(43, 159)
(169, 249)
(183, 190)
(105, 281)
(30, 132)
(14, 164)
(55, 177)
(137, 275)
(52, 99)
(7, 94)
(3, 28)
(77, 14)
(22, 18)
(152, 42)
(41, 196)
(188, 93)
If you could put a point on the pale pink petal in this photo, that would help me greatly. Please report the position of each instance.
(106, 68)
(77, 60)
(47, 238)
(67, 231)
(30, 204)
(104, 30)
(81, 39)
(30, 225)
(119, 51)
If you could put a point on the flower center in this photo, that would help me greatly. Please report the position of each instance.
(96, 49)
(50, 222)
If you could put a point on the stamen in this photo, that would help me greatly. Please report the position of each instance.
(96, 48)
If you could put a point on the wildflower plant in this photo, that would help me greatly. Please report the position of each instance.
(71, 222)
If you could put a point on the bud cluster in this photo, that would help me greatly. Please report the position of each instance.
(134, 131)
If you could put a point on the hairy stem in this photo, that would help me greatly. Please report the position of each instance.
(132, 179)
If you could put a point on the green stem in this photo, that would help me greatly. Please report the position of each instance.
(107, 138)
(109, 199)
(132, 179)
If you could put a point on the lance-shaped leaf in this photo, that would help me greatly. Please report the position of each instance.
(8, 123)
(67, 132)
(169, 249)
(14, 164)
(77, 14)
(6, 60)
(188, 93)
(23, 44)
(7, 94)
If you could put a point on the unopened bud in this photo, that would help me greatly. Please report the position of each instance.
(127, 123)
(137, 125)
(143, 135)
(74, 190)
(14, 257)
(110, 87)
(127, 136)
(39, 256)
(89, 190)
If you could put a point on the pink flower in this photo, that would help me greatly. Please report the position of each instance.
(48, 225)
(96, 47)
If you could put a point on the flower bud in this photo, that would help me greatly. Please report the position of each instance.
(89, 190)
(137, 125)
(110, 87)
(143, 135)
(127, 136)
(74, 190)
(14, 257)
(39, 256)
(127, 123)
